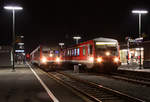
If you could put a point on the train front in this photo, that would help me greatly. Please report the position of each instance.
(50, 59)
(107, 55)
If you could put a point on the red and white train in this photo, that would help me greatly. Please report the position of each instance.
(101, 54)
(45, 57)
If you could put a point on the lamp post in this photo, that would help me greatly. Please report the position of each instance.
(13, 9)
(140, 12)
(61, 44)
(76, 38)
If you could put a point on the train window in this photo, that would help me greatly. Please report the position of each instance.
(84, 51)
(78, 51)
(74, 52)
(45, 51)
(91, 49)
(68, 53)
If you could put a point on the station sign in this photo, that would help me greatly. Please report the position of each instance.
(132, 40)
(139, 40)
(19, 51)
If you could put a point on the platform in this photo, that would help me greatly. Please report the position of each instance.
(29, 84)
(134, 68)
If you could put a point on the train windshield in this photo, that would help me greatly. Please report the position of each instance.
(50, 53)
(45, 52)
(107, 48)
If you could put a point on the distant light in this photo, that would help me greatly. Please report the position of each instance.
(19, 50)
(51, 55)
(61, 44)
(21, 44)
(13, 8)
(56, 52)
(99, 59)
(57, 59)
(116, 59)
(21, 36)
(107, 53)
(91, 59)
(44, 60)
(76, 37)
(139, 11)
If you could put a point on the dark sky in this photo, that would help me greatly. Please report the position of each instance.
(54, 21)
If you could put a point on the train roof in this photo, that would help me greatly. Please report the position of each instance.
(105, 39)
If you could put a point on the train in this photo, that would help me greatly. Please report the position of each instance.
(99, 54)
(45, 57)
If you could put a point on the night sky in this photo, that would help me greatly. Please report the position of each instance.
(54, 21)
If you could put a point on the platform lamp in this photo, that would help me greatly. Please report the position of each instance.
(77, 38)
(61, 45)
(13, 9)
(140, 12)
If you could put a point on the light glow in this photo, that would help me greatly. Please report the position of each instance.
(13, 8)
(99, 59)
(116, 59)
(105, 43)
(57, 59)
(107, 53)
(61, 44)
(140, 11)
(91, 59)
(76, 37)
(51, 55)
(44, 60)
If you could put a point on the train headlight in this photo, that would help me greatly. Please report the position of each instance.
(44, 60)
(107, 53)
(91, 59)
(99, 59)
(116, 59)
(51, 55)
(57, 59)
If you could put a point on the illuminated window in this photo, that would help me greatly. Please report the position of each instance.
(78, 51)
(75, 52)
(91, 49)
(72, 52)
(68, 53)
(84, 51)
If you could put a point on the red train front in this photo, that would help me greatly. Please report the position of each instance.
(101, 54)
(46, 57)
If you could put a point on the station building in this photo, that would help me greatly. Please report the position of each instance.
(131, 55)
(146, 62)
(20, 55)
(134, 54)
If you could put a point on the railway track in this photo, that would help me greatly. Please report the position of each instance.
(129, 78)
(95, 92)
